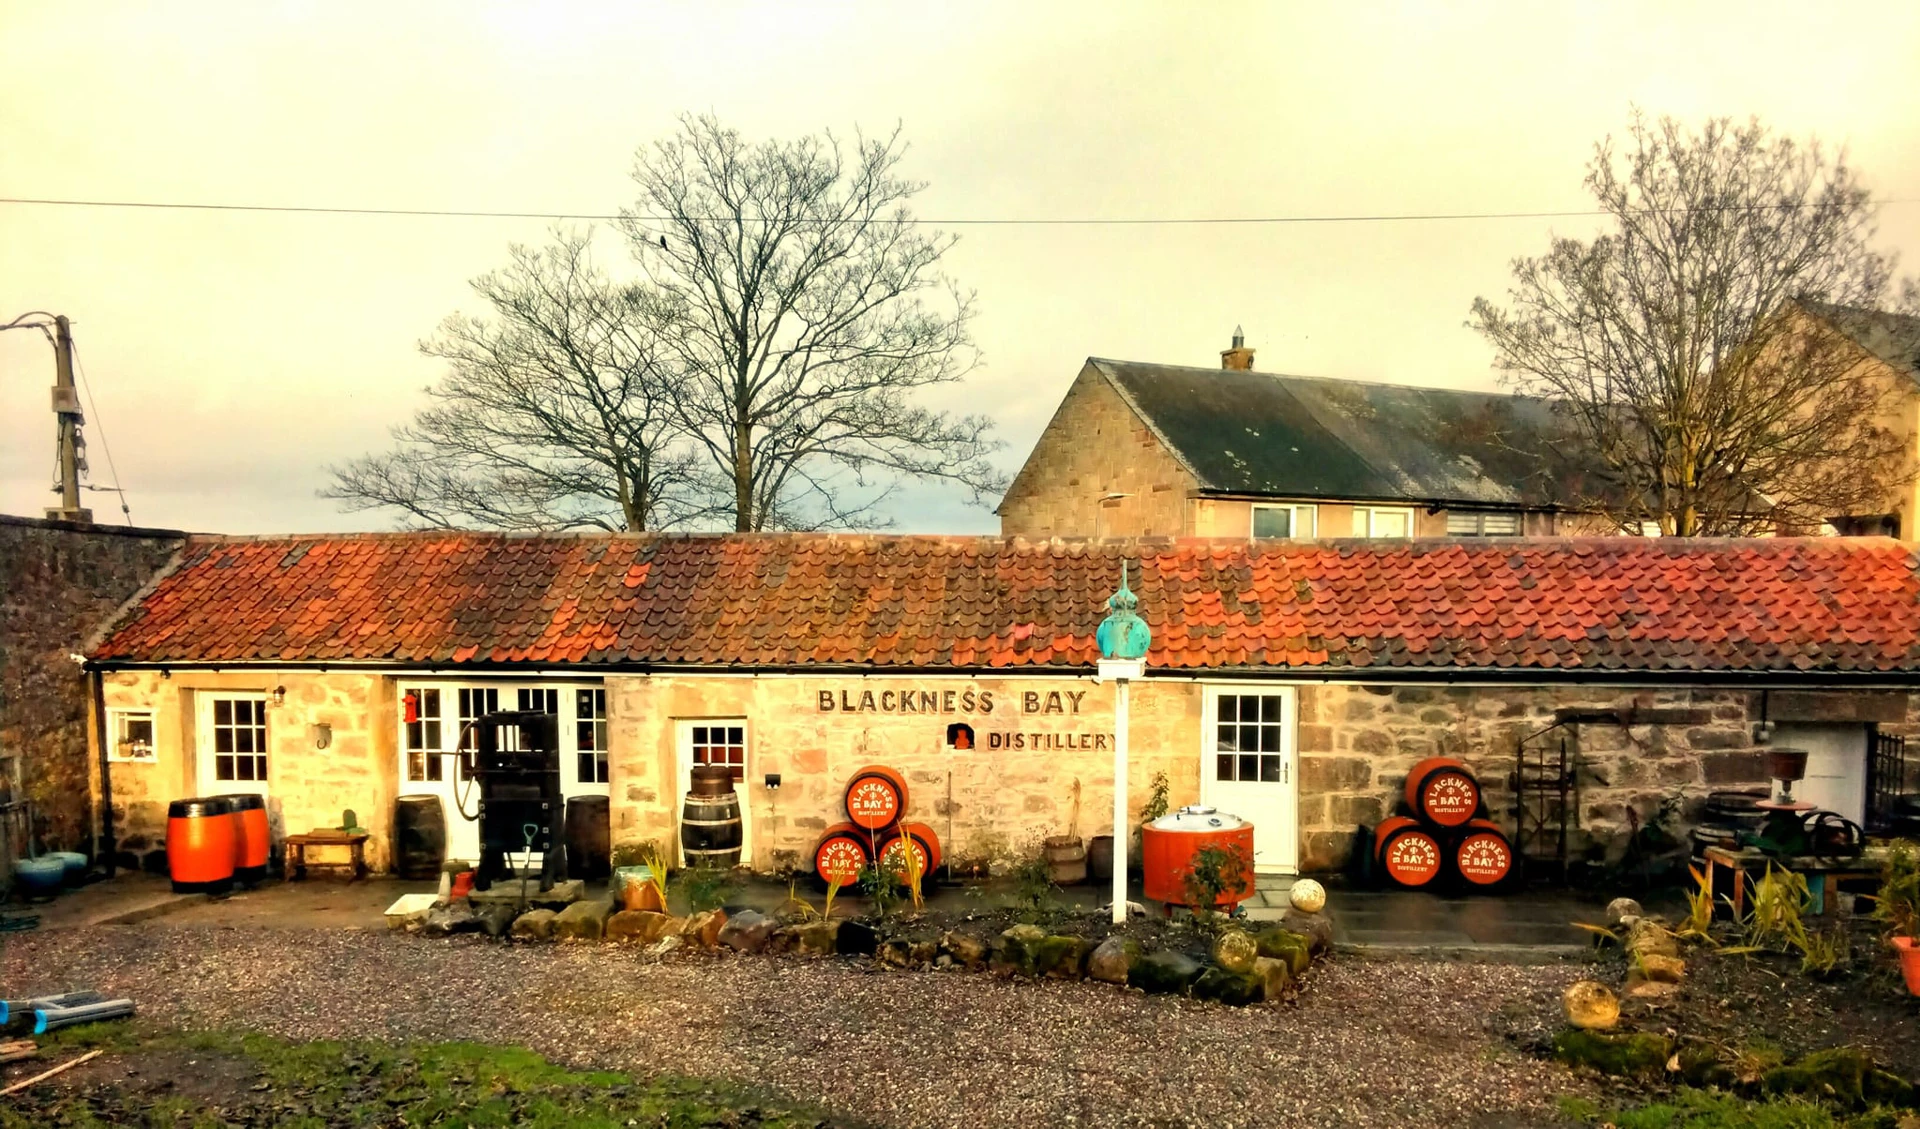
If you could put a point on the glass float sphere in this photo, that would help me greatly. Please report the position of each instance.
(1308, 896)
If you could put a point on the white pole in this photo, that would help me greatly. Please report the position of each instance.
(1120, 805)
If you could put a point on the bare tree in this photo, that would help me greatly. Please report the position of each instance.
(809, 309)
(1680, 346)
(555, 413)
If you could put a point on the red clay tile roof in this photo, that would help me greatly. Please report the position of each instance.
(1616, 605)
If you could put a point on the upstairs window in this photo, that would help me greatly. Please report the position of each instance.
(1284, 521)
(1382, 521)
(1482, 523)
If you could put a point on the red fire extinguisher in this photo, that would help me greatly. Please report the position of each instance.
(410, 708)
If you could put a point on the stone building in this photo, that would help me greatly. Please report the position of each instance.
(1152, 450)
(57, 580)
(1293, 683)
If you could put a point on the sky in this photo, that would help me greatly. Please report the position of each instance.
(233, 356)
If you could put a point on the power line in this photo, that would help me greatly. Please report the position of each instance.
(100, 425)
(1403, 217)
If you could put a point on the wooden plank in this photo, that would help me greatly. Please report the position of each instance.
(46, 1074)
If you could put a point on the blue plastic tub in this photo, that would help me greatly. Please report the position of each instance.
(74, 861)
(40, 876)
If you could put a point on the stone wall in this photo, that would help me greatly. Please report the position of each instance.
(1357, 744)
(307, 787)
(981, 802)
(58, 582)
(1095, 445)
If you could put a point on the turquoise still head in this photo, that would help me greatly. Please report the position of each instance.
(1123, 634)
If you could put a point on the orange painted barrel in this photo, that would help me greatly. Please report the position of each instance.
(876, 797)
(1442, 790)
(200, 845)
(842, 853)
(252, 842)
(1484, 856)
(925, 844)
(1407, 851)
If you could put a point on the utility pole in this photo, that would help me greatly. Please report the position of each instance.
(66, 409)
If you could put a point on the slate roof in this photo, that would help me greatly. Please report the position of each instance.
(1894, 338)
(1605, 605)
(1250, 432)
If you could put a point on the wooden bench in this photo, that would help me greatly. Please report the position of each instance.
(354, 843)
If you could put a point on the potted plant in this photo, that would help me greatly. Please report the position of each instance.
(1898, 904)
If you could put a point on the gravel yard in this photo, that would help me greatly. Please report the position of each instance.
(1373, 1043)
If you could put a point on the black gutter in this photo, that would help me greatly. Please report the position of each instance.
(1349, 674)
(110, 846)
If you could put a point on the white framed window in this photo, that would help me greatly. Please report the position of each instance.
(1482, 523)
(590, 735)
(130, 735)
(1383, 521)
(1284, 521)
(718, 742)
(236, 749)
(423, 733)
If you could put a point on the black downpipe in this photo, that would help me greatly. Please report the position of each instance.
(109, 849)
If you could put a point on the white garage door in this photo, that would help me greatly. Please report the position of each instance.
(1836, 766)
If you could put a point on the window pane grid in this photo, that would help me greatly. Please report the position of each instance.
(721, 744)
(590, 735)
(1248, 738)
(240, 739)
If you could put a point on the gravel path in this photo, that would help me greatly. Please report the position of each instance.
(1376, 1043)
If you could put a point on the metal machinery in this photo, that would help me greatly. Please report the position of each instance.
(1794, 828)
(514, 763)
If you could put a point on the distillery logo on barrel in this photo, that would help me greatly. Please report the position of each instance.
(840, 861)
(872, 803)
(1451, 798)
(1413, 859)
(1484, 859)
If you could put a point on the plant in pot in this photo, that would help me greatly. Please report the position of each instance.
(1898, 905)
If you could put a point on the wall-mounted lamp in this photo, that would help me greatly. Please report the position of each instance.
(322, 734)
(279, 696)
(773, 781)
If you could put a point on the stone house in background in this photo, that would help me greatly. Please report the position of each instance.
(1157, 450)
(1294, 683)
(1887, 346)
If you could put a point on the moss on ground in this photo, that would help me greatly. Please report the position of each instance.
(324, 1085)
(1621, 1055)
(1713, 1109)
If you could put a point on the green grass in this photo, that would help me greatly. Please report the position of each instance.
(323, 1085)
(1711, 1109)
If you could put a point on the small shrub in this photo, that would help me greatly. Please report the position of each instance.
(1822, 951)
(1775, 918)
(1213, 872)
(881, 881)
(706, 887)
(1158, 793)
(1033, 893)
(1897, 903)
(1699, 920)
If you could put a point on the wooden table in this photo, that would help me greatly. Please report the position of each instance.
(1742, 867)
(355, 842)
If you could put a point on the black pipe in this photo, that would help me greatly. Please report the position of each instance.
(109, 845)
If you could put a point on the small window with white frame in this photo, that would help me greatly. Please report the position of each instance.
(590, 734)
(1483, 523)
(1283, 521)
(1382, 521)
(130, 735)
(719, 742)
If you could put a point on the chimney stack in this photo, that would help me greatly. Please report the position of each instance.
(1239, 357)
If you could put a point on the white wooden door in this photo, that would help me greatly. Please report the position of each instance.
(232, 735)
(1836, 766)
(1247, 768)
(716, 741)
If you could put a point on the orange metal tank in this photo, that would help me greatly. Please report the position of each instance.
(200, 845)
(1168, 844)
(252, 842)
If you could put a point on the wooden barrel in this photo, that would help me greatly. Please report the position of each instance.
(924, 843)
(710, 829)
(1407, 852)
(876, 797)
(200, 845)
(842, 853)
(1484, 856)
(589, 837)
(1066, 860)
(1443, 791)
(252, 841)
(419, 837)
(712, 779)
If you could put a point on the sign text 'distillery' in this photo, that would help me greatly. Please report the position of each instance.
(1027, 703)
